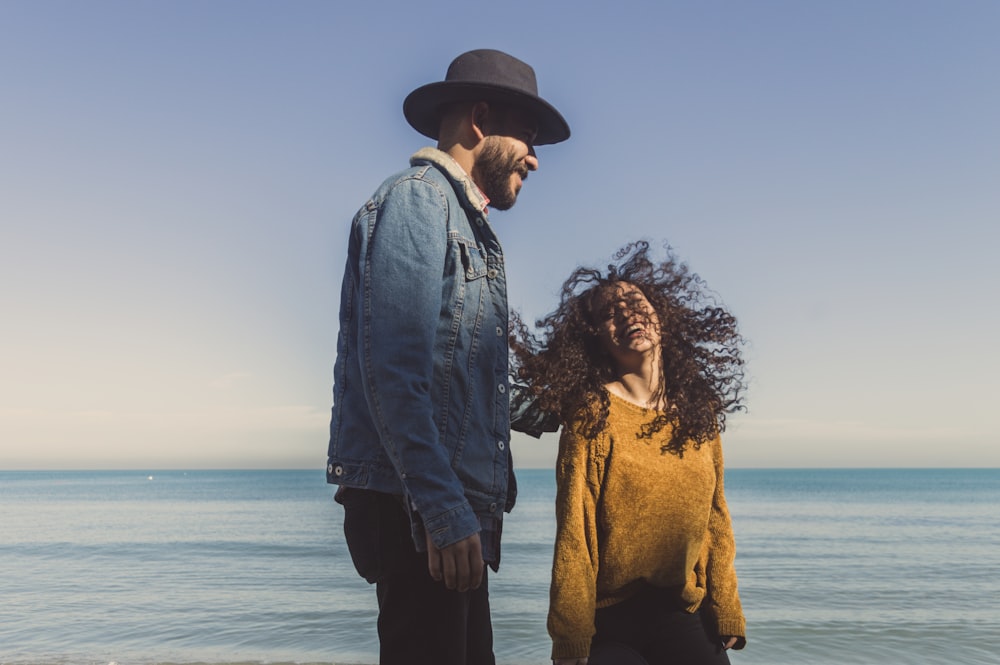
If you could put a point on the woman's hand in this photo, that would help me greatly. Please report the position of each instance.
(729, 642)
(569, 661)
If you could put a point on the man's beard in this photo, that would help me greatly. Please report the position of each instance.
(493, 171)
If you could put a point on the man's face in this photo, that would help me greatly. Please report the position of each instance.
(505, 158)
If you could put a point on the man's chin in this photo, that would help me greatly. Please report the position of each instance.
(506, 201)
(502, 205)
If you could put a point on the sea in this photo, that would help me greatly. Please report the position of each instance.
(836, 566)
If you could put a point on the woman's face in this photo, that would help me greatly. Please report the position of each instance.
(627, 325)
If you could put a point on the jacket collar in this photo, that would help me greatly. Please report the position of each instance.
(460, 180)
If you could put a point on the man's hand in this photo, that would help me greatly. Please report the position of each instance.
(460, 564)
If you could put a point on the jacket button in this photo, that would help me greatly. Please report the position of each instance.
(329, 468)
(493, 507)
(492, 273)
(499, 331)
(338, 470)
(500, 445)
(502, 388)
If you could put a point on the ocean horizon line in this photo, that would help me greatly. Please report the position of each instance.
(172, 469)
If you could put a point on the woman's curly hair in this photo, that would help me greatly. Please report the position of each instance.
(566, 367)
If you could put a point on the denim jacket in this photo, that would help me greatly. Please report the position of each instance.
(420, 396)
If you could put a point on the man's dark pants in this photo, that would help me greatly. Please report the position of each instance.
(420, 620)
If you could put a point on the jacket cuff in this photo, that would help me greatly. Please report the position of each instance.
(451, 526)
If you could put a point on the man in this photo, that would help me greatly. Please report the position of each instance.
(420, 428)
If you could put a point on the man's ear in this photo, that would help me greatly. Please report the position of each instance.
(480, 116)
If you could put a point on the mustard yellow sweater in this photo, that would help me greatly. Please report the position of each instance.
(629, 515)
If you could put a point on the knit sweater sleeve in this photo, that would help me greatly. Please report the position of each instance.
(723, 597)
(573, 591)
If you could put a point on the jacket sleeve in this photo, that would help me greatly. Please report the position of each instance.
(722, 594)
(401, 292)
(573, 592)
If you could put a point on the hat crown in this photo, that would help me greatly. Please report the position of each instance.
(485, 75)
(494, 68)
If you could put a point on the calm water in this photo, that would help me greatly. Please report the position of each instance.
(836, 567)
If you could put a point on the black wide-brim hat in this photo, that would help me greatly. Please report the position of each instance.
(488, 76)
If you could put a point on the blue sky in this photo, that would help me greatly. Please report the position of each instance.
(177, 180)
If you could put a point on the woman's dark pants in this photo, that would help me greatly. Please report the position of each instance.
(651, 629)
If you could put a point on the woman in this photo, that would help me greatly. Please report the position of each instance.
(641, 367)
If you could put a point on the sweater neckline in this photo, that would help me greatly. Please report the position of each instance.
(628, 403)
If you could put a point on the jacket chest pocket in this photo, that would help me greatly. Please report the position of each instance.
(473, 261)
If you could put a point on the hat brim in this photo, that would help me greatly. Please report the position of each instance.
(422, 107)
